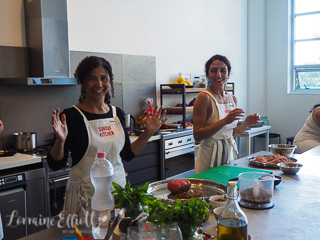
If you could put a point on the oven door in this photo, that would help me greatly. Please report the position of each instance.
(57, 186)
(179, 162)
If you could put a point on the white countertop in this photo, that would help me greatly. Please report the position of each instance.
(155, 137)
(18, 160)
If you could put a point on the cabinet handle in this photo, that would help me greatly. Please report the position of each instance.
(170, 143)
(180, 141)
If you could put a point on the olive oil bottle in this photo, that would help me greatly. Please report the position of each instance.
(232, 221)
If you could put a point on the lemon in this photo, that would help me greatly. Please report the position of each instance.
(188, 83)
(180, 79)
(175, 83)
(185, 83)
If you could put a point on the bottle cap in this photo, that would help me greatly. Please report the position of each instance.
(101, 154)
(232, 184)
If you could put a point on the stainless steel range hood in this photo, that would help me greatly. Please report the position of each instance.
(47, 44)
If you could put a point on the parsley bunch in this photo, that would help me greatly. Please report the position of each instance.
(188, 215)
(132, 200)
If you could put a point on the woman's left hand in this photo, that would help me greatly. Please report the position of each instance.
(155, 120)
(252, 119)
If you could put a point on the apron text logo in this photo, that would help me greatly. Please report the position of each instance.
(105, 131)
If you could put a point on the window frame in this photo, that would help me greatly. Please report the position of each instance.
(294, 69)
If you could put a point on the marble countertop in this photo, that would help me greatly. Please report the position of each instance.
(296, 202)
(18, 160)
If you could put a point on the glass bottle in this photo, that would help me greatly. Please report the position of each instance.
(232, 221)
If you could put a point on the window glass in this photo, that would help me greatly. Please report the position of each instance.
(308, 78)
(302, 6)
(305, 48)
(307, 26)
(307, 53)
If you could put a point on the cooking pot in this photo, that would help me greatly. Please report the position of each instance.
(25, 141)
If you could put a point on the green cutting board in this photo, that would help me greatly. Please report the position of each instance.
(223, 173)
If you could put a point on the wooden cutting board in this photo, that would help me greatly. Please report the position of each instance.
(224, 173)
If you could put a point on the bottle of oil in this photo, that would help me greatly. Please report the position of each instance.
(232, 221)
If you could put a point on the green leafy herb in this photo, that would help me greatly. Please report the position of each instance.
(132, 200)
(188, 215)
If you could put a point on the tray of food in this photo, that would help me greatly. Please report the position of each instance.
(185, 189)
(269, 161)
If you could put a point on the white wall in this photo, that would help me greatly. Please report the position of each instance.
(181, 34)
(268, 55)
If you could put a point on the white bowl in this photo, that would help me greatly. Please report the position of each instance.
(218, 201)
(217, 211)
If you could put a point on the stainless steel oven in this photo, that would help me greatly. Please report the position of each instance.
(56, 186)
(56, 181)
(177, 154)
(22, 200)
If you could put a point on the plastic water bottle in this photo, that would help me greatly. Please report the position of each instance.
(102, 204)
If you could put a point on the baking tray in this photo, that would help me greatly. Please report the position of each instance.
(265, 165)
(209, 188)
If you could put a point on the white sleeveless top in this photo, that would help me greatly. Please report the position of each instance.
(220, 147)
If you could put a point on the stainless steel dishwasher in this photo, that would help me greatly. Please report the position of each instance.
(22, 201)
(177, 154)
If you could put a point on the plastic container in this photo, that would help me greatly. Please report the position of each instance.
(102, 204)
(232, 221)
(256, 190)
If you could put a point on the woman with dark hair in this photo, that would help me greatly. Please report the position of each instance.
(215, 118)
(309, 135)
(92, 126)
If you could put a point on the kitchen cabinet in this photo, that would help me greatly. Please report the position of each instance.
(183, 90)
(145, 167)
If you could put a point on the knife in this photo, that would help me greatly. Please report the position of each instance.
(113, 226)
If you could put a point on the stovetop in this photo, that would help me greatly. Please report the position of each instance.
(41, 151)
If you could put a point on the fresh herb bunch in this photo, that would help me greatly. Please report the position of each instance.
(188, 215)
(131, 199)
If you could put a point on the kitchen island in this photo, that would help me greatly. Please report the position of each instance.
(296, 204)
(294, 215)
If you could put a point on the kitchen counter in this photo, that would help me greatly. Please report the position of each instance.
(18, 160)
(153, 138)
(296, 200)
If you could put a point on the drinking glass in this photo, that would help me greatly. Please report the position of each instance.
(133, 233)
(168, 232)
(1, 229)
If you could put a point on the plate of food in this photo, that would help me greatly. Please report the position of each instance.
(185, 189)
(269, 161)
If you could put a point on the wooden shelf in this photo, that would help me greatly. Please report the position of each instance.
(183, 90)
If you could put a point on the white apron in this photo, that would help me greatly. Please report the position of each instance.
(104, 135)
(220, 147)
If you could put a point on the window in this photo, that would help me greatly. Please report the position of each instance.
(305, 47)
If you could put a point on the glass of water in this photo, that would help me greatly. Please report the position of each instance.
(1, 228)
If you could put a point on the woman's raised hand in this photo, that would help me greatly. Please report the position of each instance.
(155, 120)
(235, 114)
(59, 125)
(252, 119)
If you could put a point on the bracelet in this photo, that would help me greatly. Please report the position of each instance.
(237, 130)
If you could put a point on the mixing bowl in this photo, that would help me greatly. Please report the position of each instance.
(289, 168)
(282, 149)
